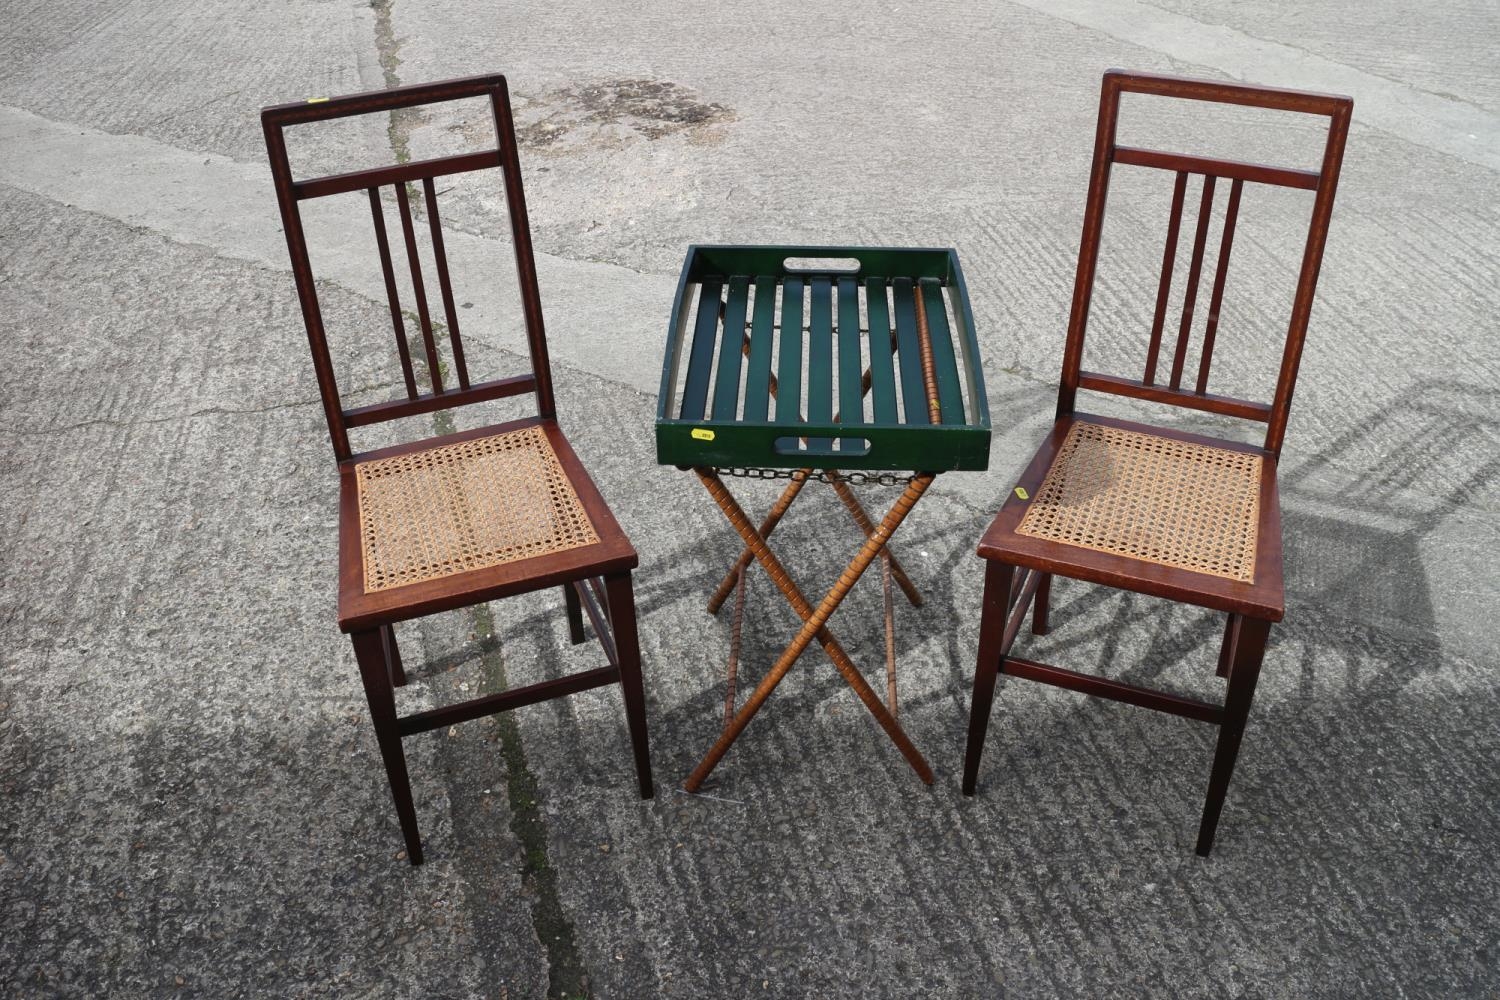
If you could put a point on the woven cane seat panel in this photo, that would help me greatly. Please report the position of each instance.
(1156, 499)
(466, 506)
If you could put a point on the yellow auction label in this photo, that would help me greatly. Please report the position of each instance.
(702, 434)
(1021, 492)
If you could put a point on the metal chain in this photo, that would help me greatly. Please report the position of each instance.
(821, 475)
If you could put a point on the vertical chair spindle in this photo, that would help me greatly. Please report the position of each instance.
(1195, 271)
(440, 260)
(388, 271)
(1217, 300)
(1164, 290)
(433, 373)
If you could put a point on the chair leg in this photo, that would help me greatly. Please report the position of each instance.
(392, 655)
(621, 602)
(374, 670)
(993, 614)
(1249, 647)
(1043, 601)
(575, 613)
(1226, 651)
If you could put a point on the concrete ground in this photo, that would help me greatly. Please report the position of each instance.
(191, 801)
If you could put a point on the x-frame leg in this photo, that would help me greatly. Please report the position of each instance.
(735, 583)
(813, 623)
(778, 511)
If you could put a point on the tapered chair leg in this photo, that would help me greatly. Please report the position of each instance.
(1041, 605)
(621, 602)
(575, 613)
(374, 670)
(392, 655)
(1248, 646)
(992, 618)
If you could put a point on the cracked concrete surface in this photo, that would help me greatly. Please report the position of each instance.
(191, 802)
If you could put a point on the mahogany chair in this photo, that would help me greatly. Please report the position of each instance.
(458, 519)
(1160, 512)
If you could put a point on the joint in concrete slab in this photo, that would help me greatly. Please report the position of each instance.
(403, 120)
(566, 974)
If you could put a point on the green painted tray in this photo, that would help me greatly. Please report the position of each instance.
(771, 349)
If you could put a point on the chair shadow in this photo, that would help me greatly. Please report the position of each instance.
(1361, 623)
(1354, 546)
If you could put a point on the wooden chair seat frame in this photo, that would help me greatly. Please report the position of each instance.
(595, 577)
(1020, 567)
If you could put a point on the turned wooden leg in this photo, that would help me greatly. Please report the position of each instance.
(813, 625)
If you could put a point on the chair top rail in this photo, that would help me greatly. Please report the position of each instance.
(395, 98)
(1226, 92)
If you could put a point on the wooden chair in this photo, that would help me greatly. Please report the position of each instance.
(463, 518)
(1191, 518)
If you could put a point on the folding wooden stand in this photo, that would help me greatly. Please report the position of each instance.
(909, 396)
(813, 623)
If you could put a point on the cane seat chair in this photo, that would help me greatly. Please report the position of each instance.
(460, 518)
(1148, 509)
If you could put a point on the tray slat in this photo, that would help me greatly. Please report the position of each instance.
(851, 398)
(695, 393)
(882, 369)
(758, 379)
(945, 365)
(909, 353)
(731, 350)
(789, 367)
(820, 352)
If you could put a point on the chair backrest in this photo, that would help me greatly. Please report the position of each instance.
(1322, 182)
(290, 193)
